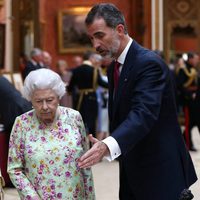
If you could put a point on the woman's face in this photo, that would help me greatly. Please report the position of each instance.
(45, 102)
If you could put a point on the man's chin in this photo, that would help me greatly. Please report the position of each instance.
(105, 54)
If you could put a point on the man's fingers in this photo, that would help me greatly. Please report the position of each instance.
(86, 155)
(87, 160)
(87, 164)
(90, 158)
(94, 155)
(93, 139)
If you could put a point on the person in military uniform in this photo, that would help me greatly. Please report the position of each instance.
(85, 80)
(188, 86)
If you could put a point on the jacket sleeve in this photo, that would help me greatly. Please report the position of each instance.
(16, 163)
(143, 96)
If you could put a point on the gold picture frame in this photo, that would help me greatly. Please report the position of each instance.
(18, 81)
(15, 79)
(1, 2)
(8, 76)
(72, 35)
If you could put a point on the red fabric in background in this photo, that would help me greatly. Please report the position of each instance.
(4, 141)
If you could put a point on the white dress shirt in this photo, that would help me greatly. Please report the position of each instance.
(111, 143)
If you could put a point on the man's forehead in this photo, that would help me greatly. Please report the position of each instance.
(98, 22)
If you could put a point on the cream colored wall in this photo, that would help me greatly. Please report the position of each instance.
(8, 37)
(157, 24)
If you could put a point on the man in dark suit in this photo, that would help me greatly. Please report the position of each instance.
(36, 62)
(145, 134)
(12, 104)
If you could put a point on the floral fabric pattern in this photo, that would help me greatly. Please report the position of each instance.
(42, 158)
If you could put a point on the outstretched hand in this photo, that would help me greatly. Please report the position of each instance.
(93, 155)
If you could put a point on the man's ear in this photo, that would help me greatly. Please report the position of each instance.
(120, 28)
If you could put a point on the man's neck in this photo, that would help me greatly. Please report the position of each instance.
(124, 43)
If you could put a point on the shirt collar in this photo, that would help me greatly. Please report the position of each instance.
(34, 62)
(122, 57)
(87, 62)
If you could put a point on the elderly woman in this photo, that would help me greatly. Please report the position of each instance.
(45, 144)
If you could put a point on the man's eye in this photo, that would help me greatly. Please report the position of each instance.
(100, 35)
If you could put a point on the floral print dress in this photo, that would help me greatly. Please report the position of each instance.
(42, 159)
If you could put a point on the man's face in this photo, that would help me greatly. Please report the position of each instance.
(105, 40)
(37, 58)
(47, 59)
(195, 60)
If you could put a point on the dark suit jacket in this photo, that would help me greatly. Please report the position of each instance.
(30, 66)
(154, 164)
(12, 104)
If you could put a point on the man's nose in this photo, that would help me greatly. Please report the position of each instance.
(96, 44)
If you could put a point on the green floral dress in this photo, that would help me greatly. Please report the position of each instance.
(42, 159)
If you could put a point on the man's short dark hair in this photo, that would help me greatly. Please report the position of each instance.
(109, 12)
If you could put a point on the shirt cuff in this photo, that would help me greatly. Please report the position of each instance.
(113, 147)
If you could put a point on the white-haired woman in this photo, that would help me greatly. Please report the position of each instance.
(45, 143)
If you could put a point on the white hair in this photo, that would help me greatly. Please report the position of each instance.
(35, 52)
(43, 79)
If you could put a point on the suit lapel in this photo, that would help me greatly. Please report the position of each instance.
(111, 89)
(125, 74)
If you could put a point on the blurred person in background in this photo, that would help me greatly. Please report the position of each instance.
(102, 98)
(77, 61)
(187, 85)
(46, 59)
(12, 104)
(85, 80)
(65, 74)
(35, 62)
(23, 59)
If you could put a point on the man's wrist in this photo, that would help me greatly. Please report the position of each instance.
(114, 149)
(105, 149)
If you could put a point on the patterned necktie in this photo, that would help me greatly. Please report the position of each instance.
(116, 74)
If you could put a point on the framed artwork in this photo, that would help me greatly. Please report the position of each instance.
(8, 76)
(72, 36)
(18, 81)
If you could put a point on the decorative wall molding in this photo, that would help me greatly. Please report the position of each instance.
(1, 3)
(182, 9)
(181, 22)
